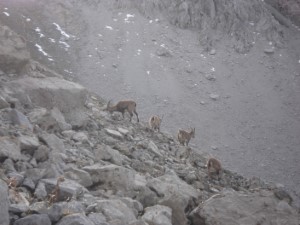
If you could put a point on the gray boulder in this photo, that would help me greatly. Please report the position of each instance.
(106, 153)
(28, 143)
(3, 103)
(4, 203)
(9, 148)
(75, 219)
(80, 176)
(97, 218)
(13, 53)
(176, 194)
(68, 189)
(158, 215)
(60, 209)
(50, 92)
(18, 118)
(123, 179)
(41, 154)
(235, 208)
(114, 209)
(36, 219)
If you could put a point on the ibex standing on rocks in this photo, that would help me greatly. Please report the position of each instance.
(122, 106)
(184, 137)
(213, 166)
(154, 122)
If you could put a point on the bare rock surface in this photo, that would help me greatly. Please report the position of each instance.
(79, 165)
(232, 208)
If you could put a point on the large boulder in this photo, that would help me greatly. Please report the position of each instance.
(75, 219)
(176, 194)
(4, 203)
(112, 177)
(34, 220)
(158, 215)
(50, 92)
(114, 209)
(9, 148)
(235, 208)
(13, 53)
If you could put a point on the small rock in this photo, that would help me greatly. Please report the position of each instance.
(269, 50)
(74, 219)
(68, 133)
(80, 137)
(114, 133)
(123, 131)
(3, 103)
(210, 77)
(212, 52)
(158, 215)
(163, 52)
(97, 218)
(41, 154)
(154, 149)
(214, 96)
(29, 184)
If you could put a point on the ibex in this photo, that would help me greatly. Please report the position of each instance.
(213, 166)
(184, 137)
(122, 106)
(154, 122)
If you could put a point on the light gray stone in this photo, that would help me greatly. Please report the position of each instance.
(13, 52)
(3, 103)
(75, 219)
(80, 137)
(154, 149)
(42, 153)
(68, 188)
(114, 133)
(60, 209)
(4, 203)
(106, 153)
(115, 209)
(158, 215)
(68, 97)
(97, 218)
(122, 178)
(9, 148)
(80, 176)
(18, 118)
(134, 205)
(35, 219)
(28, 143)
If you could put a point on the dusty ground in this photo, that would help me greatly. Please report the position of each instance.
(245, 107)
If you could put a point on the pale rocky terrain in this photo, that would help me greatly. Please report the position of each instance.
(118, 172)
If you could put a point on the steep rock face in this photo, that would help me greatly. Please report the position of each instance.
(238, 19)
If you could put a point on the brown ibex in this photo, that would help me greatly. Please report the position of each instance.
(122, 106)
(154, 122)
(213, 166)
(184, 137)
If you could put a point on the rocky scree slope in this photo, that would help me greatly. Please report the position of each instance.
(66, 161)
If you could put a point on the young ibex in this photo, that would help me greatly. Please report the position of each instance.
(184, 137)
(213, 166)
(122, 106)
(154, 122)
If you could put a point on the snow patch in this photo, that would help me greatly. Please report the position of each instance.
(109, 27)
(62, 32)
(41, 50)
(6, 13)
(52, 40)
